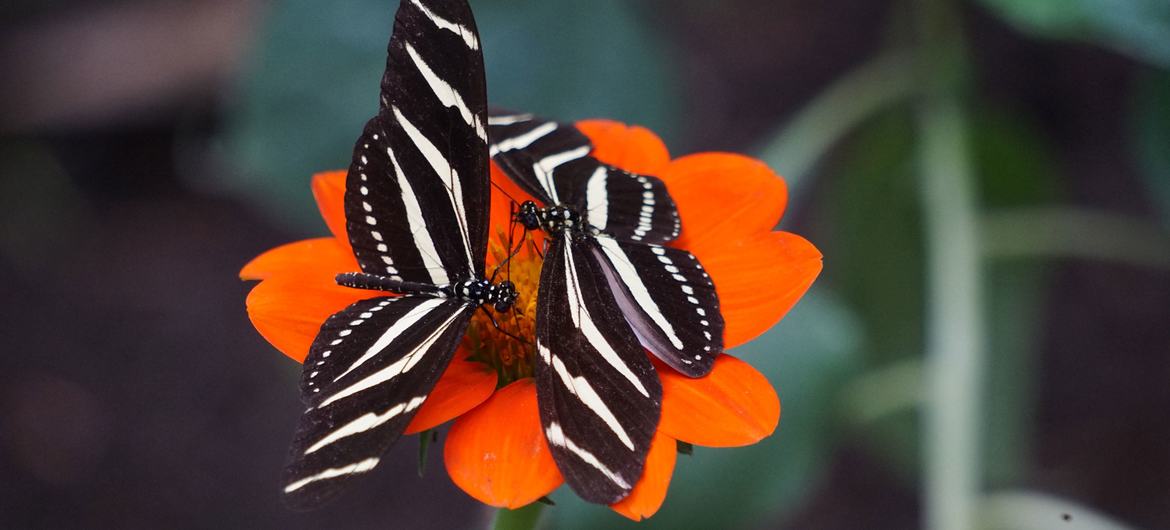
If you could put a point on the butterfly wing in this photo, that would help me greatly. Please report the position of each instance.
(416, 201)
(624, 205)
(669, 301)
(370, 368)
(528, 148)
(416, 208)
(599, 396)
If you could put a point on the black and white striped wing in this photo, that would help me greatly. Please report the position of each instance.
(669, 301)
(416, 201)
(600, 398)
(627, 206)
(528, 148)
(370, 368)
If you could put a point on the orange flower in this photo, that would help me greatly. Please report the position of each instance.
(495, 450)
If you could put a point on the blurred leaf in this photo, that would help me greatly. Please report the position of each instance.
(572, 60)
(1028, 510)
(876, 241)
(1015, 312)
(520, 518)
(1152, 123)
(885, 391)
(1016, 167)
(806, 357)
(800, 144)
(876, 245)
(314, 81)
(42, 213)
(1138, 28)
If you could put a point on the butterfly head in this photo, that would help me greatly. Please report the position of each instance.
(502, 295)
(529, 215)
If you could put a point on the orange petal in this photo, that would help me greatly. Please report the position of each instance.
(758, 279)
(463, 387)
(749, 196)
(500, 214)
(631, 148)
(650, 490)
(288, 310)
(497, 453)
(734, 405)
(310, 256)
(329, 190)
(504, 194)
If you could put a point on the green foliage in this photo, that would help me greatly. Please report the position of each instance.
(875, 242)
(1138, 28)
(877, 261)
(1151, 117)
(1016, 168)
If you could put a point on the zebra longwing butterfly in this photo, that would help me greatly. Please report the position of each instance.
(608, 283)
(416, 208)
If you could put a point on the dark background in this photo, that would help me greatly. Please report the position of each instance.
(149, 149)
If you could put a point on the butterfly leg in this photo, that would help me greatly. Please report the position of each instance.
(496, 325)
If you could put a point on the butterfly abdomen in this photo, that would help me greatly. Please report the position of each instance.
(376, 282)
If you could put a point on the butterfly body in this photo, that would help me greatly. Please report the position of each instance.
(553, 220)
(478, 292)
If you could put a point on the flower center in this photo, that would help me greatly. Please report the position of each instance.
(509, 343)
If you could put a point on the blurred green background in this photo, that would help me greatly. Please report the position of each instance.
(989, 180)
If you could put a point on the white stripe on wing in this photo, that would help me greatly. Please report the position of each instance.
(447, 95)
(357, 467)
(401, 366)
(556, 436)
(451, 183)
(633, 279)
(597, 199)
(580, 387)
(418, 227)
(466, 33)
(584, 321)
(366, 422)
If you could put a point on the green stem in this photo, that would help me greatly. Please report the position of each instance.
(524, 518)
(955, 350)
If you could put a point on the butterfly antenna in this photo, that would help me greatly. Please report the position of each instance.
(515, 211)
(511, 231)
(506, 263)
(506, 194)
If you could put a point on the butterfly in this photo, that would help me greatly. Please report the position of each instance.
(416, 208)
(609, 285)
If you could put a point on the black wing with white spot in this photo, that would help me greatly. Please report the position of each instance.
(370, 368)
(417, 193)
(669, 301)
(627, 206)
(599, 396)
(528, 148)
